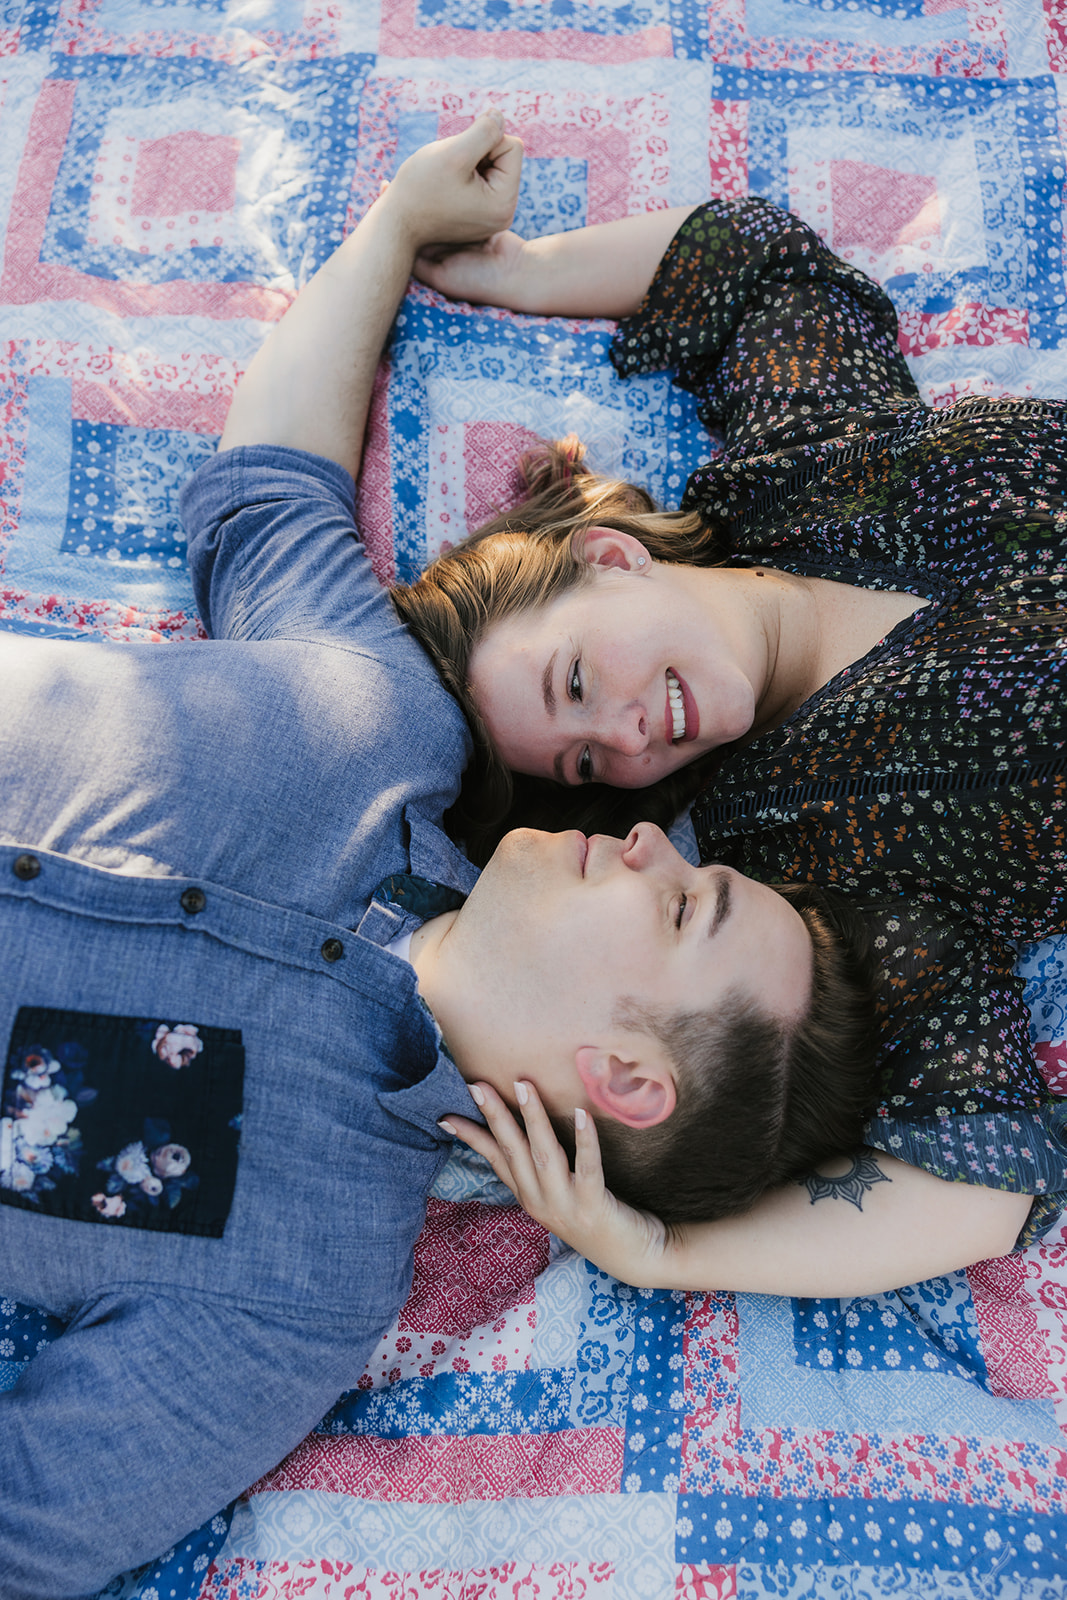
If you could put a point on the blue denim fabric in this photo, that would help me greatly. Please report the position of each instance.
(284, 768)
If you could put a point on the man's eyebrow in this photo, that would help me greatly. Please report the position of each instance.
(722, 907)
(547, 690)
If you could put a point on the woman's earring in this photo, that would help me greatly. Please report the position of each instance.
(640, 561)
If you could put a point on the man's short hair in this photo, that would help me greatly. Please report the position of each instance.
(759, 1101)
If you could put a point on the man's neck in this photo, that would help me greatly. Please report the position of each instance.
(428, 945)
(426, 941)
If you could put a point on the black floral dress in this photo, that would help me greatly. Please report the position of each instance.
(930, 777)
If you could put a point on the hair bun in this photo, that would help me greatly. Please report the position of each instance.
(552, 468)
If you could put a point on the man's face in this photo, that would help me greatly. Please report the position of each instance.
(560, 932)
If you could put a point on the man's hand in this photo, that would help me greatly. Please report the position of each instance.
(458, 191)
(309, 387)
(575, 1206)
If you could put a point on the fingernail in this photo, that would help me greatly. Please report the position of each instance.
(476, 1094)
(579, 1117)
(521, 1094)
(447, 1126)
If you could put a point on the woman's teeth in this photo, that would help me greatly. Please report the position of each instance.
(677, 705)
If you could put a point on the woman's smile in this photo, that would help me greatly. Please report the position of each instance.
(621, 680)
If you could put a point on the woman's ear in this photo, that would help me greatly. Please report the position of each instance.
(638, 1093)
(605, 547)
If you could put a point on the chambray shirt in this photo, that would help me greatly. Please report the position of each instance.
(221, 1091)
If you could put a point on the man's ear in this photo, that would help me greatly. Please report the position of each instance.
(638, 1093)
(605, 547)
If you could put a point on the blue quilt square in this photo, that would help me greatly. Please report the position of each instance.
(193, 171)
(552, 196)
(1005, 134)
(124, 489)
(450, 368)
(928, 1328)
(497, 16)
(24, 1333)
(655, 1416)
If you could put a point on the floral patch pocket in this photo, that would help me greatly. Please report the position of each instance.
(121, 1121)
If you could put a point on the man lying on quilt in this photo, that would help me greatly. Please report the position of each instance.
(233, 935)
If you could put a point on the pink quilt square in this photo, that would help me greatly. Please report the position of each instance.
(491, 452)
(27, 278)
(728, 149)
(188, 171)
(876, 208)
(403, 35)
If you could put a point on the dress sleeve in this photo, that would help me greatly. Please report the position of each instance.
(961, 1095)
(765, 325)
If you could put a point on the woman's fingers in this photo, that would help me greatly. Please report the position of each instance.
(588, 1168)
(488, 273)
(546, 1153)
(533, 1163)
(514, 1143)
(503, 1144)
(482, 1142)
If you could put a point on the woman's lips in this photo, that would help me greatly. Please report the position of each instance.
(692, 715)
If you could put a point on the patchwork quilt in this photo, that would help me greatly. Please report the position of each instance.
(171, 171)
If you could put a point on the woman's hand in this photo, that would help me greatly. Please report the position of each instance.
(493, 273)
(458, 191)
(573, 1205)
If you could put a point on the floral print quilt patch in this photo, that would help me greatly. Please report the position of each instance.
(125, 1121)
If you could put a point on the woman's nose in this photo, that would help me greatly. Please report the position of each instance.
(627, 733)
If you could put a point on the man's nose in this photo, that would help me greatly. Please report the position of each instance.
(644, 847)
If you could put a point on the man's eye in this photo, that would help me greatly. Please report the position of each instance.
(682, 903)
(574, 682)
(585, 766)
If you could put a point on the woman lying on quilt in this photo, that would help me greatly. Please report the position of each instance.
(857, 621)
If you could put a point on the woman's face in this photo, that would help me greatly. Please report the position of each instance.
(621, 680)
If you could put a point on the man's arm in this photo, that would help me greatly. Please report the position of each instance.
(864, 1226)
(309, 387)
(601, 271)
(142, 1420)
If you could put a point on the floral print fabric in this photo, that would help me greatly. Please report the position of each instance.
(121, 1120)
(929, 778)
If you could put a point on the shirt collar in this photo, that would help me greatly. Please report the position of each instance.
(440, 1092)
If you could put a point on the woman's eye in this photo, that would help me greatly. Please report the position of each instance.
(682, 903)
(574, 682)
(585, 766)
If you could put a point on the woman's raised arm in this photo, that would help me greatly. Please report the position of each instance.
(600, 271)
(872, 1229)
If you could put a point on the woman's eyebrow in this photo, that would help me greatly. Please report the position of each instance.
(547, 691)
